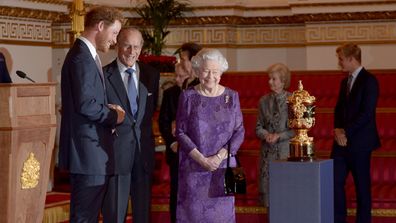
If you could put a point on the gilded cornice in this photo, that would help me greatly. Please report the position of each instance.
(326, 4)
(241, 8)
(250, 8)
(230, 31)
(273, 20)
(55, 2)
(60, 17)
(57, 17)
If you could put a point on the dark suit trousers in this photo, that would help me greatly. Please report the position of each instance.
(140, 191)
(173, 169)
(358, 163)
(87, 193)
(115, 205)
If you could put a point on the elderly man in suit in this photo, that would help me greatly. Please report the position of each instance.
(86, 141)
(355, 133)
(134, 86)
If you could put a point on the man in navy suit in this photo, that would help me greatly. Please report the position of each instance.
(134, 86)
(86, 141)
(355, 133)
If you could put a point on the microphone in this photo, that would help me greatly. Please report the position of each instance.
(22, 74)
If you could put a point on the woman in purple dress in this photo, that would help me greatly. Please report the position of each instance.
(209, 120)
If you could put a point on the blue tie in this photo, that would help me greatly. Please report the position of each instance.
(132, 92)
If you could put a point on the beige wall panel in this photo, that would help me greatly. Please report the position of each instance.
(321, 58)
(35, 61)
(379, 56)
(260, 59)
(373, 57)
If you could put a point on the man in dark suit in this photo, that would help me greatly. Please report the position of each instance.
(186, 52)
(355, 133)
(166, 122)
(184, 78)
(86, 141)
(134, 86)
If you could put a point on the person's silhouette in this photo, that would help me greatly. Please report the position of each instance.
(4, 75)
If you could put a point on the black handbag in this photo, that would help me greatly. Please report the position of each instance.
(234, 179)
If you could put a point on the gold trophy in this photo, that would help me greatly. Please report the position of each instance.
(301, 119)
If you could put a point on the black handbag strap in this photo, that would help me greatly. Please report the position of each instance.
(228, 158)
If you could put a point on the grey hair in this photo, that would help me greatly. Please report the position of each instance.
(283, 71)
(209, 54)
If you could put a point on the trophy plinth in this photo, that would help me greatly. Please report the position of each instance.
(301, 119)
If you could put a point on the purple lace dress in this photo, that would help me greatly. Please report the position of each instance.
(208, 124)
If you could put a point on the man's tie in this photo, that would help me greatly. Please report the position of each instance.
(132, 92)
(99, 65)
(349, 84)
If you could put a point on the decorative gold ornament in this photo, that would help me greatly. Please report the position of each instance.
(55, 17)
(301, 119)
(77, 13)
(30, 172)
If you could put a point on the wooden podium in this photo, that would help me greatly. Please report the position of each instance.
(27, 135)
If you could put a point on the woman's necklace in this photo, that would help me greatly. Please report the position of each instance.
(212, 94)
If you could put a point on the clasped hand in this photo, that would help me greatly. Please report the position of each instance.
(271, 138)
(211, 163)
(120, 112)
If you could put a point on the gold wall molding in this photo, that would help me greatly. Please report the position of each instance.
(62, 17)
(12, 29)
(274, 20)
(207, 20)
(34, 14)
(39, 27)
(55, 2)
(285, 35)
(357, 32)
(238, 36)
(61, 35)
(271, 35)
(346, 3)
(290, 5)
(35, 32)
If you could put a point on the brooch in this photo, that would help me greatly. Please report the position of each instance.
(227, 99)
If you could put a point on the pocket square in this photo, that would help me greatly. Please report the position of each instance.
(149, 94)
